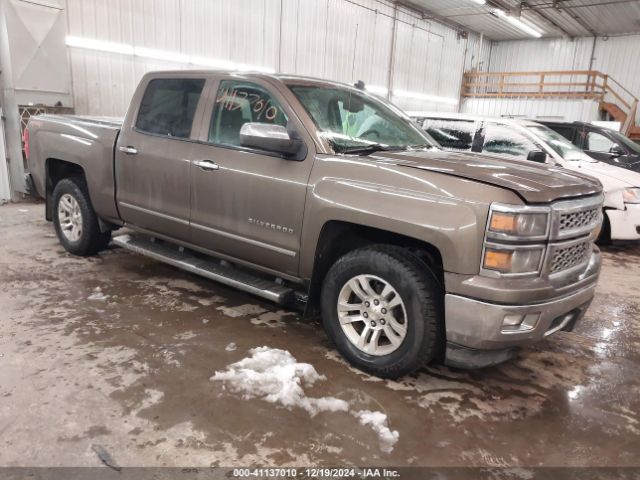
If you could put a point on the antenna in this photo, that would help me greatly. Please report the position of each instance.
(355, 46)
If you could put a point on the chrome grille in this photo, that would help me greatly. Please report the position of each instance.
(579, 219)
(565, 258)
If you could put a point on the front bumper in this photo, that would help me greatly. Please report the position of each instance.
(477, 335)
(625, 224)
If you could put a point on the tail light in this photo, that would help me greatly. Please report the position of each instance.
(25, 141)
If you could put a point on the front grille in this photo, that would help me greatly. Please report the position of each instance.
(580, 219)
(565, 258)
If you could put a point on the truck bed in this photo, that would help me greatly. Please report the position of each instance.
(85, 141)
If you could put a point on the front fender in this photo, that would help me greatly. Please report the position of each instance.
(452, 225)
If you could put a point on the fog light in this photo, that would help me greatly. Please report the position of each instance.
(515, 322)
(512, 320)
(531, 320)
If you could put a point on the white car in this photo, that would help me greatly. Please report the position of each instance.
(530, 141)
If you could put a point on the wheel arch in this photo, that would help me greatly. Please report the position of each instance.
(57, 169)
(338, 237)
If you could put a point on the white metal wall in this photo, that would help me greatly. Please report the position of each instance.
(344, 40)
(531, 55)
(535, 109)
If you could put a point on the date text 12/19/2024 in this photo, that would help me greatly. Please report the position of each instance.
(285, 473)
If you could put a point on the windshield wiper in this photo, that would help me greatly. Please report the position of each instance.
(371, 148)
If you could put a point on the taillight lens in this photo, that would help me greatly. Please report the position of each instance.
(25, 141)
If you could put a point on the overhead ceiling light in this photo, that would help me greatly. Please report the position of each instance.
(479, 2)
(518, 23)
(92, 44)
(164, 55)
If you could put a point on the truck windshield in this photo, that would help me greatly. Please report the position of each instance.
(562, 146)
(352, 120)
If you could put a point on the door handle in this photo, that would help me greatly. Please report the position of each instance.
(128, 150)
(207, 165)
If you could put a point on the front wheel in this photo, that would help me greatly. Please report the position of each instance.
(75, 221)
(382, 307)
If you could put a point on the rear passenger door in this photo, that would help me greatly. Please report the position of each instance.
(153, 155)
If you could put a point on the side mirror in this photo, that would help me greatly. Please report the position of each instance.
(537, 156)
(616, 150)
(269, 137)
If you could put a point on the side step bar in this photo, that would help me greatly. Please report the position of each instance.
(206, 267)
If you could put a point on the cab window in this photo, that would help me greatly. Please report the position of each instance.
(503, 140)
(451, 134)
(169, 105)
(238, 103)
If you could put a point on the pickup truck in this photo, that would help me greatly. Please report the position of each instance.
(318, 194)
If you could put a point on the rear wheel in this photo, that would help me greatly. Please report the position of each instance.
(382, 307)
(75, 221)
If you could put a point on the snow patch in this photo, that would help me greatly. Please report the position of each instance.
(378, 422)
(207, 302)
(186, 335)
(241, 311)
(97, 295)
(271, 319)
(275, 376)
(231, 347)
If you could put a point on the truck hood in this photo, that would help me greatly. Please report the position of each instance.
(535, 183)
(611, 177)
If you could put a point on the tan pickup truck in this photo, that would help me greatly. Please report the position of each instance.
(313, 193)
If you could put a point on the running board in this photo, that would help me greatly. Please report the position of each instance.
(207, 267)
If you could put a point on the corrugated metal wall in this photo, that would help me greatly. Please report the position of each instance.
(535, 109)
(531, 55)
(344, 40)
(619, 57)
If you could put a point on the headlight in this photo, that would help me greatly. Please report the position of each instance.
(631, 195)
(524, 225)
(513, 260)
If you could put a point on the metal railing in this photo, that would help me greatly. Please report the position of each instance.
(577, 84)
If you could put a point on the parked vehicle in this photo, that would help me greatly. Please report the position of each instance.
(307, 191)
(527, 140)
(604, 144)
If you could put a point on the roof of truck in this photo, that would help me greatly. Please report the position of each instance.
(280, 76)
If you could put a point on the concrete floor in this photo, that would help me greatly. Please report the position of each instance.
(129, 370)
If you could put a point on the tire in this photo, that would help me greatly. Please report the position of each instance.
(75, 220)
(420, 310)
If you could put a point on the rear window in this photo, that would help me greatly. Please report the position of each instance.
(169, 105)
(451, 134)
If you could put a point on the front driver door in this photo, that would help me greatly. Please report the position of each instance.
(247, 203)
